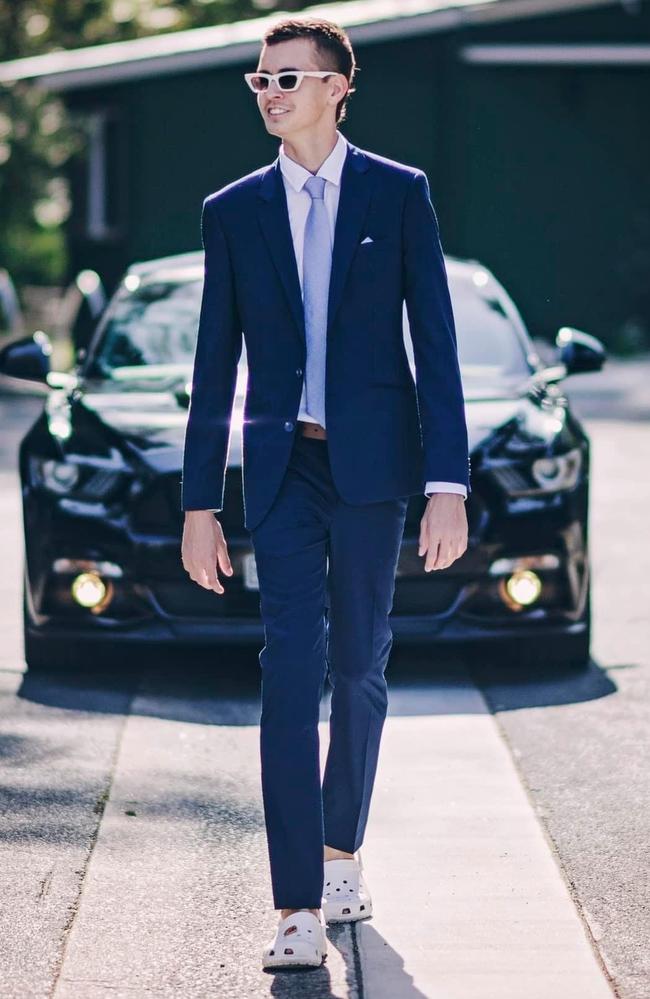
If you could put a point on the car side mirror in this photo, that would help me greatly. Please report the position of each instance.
(27, 358)
(579, 351)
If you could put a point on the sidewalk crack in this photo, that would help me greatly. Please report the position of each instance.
(98, 809)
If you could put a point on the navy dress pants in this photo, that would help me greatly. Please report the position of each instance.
(326, 574)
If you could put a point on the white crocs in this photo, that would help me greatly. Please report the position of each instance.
(345, 894)
(300, 939)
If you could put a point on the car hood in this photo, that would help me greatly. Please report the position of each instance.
(151, 424)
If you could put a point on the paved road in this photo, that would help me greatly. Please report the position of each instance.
(132, 854)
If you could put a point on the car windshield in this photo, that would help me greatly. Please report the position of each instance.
(490, 333)
(151, 325)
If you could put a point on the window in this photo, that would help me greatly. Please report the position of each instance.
(104, 175)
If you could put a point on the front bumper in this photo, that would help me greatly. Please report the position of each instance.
(442, 608)
(156, 601)
(235, 631)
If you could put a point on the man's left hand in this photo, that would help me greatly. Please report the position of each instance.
(443, 530)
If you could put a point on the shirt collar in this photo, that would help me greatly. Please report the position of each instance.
(331, 169)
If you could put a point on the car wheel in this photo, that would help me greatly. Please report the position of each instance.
(574, 651)
(568, 652)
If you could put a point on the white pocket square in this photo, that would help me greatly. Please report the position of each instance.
(368, 239)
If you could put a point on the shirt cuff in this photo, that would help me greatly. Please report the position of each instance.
(445, 487)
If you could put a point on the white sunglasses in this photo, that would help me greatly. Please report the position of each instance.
(287, 80)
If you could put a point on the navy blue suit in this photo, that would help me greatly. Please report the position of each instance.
(252, 285)
(326, 517)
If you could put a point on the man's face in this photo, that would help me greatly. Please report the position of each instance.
(312, 105)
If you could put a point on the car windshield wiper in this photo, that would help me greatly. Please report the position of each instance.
(548, 375)
(149, 372)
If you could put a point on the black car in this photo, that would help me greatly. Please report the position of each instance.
(100, 472)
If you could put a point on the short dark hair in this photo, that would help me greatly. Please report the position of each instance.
(333, 48)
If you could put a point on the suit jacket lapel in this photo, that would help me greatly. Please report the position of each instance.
(354, 200)
(274, 220)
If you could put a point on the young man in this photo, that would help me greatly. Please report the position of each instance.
(312, 257)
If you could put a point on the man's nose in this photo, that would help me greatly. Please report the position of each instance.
(274, 86)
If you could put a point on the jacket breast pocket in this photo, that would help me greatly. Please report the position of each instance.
(377, 261)
(387, 243)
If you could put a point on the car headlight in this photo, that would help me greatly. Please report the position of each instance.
(64, 478)
(58, 477)
(560, 471)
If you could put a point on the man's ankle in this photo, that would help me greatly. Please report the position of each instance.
(332, 854)
(289, 912)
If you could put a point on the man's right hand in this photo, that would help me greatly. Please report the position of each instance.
(204, 548)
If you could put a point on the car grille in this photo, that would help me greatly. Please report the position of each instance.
(424, 595)
(158, 509)
(180, 599)
(188, 599)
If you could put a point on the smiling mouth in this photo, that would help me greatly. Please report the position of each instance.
(279, 113)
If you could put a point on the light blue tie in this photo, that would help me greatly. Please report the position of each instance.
(316, 267)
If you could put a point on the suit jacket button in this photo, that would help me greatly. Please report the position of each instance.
(299, 372)
(288, 425)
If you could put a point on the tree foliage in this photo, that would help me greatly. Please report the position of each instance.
(38, 137)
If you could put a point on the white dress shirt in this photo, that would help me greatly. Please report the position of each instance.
(298, 203)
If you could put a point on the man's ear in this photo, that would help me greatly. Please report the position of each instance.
(342, 81)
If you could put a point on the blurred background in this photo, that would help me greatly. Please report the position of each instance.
(117, 117)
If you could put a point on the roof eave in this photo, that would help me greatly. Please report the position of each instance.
(366, 21)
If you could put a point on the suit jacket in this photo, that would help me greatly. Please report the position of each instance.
(387, 433)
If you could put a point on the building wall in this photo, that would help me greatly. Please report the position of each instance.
(538, 172)
(551, 168)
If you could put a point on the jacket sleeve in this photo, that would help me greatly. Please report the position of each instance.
(214, 377)
(433, 333)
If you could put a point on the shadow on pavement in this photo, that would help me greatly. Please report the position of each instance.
(201, 692)
(506, 687)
